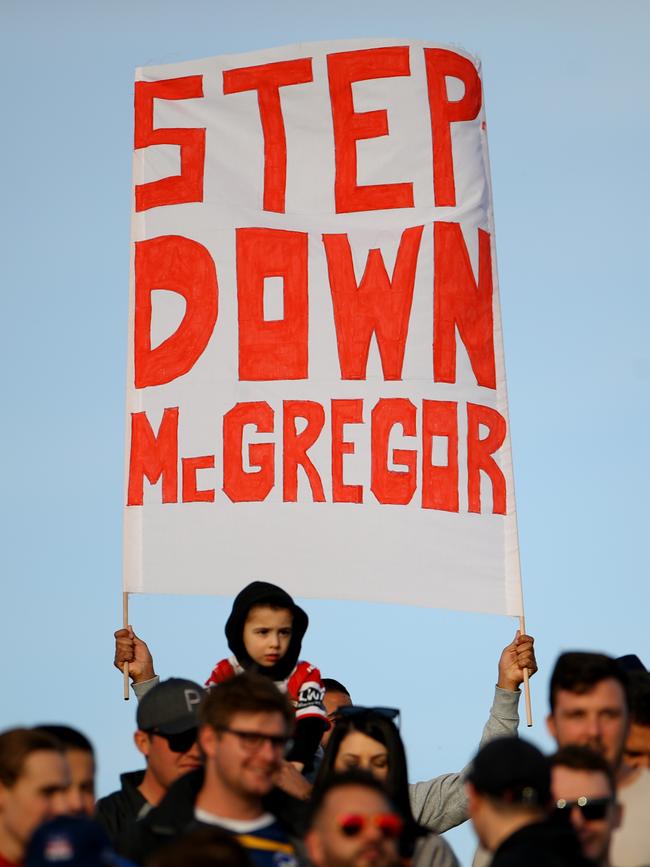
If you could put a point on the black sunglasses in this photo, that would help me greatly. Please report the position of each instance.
(351, 711)
(179, 743)
(592, 809)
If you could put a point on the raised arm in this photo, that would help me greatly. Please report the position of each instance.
(129, 648)
(440, 804)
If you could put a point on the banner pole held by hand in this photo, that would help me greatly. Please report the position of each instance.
(529, 708)
(125, 623)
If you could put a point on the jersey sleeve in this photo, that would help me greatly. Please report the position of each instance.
(306, 690)
(222, 671)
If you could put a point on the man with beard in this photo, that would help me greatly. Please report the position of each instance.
(353, 824)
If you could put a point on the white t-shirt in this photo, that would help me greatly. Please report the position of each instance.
(237, 826)
(631, 843)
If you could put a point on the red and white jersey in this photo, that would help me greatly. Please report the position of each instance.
(303, 686)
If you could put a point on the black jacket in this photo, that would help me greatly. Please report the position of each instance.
(172, 817)
(543, 844)
(120, 809)
(175, 816)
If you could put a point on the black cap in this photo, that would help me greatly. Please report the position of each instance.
(71, 842)
(170, 707)
(631, 662)
(512, 770)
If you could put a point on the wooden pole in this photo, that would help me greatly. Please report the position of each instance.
(529, 708)
(125, 623)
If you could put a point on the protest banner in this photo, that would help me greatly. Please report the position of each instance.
(316, 389)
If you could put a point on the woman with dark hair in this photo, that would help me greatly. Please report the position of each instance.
(367, 739)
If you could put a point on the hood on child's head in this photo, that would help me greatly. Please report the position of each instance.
(264, 593)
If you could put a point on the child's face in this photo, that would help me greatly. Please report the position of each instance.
(267, 633)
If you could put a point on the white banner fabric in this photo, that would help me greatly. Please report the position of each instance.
(316, 389)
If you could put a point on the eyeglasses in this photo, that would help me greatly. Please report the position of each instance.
(179, 743)
(592, 809)
(389, 824)
(253, 741)
(351, 711)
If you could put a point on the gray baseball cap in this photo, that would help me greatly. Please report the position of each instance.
(171, 707)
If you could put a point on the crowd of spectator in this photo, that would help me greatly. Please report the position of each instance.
(270, 765)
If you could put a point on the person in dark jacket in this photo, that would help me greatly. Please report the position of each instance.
(509, 802)
(167, 720)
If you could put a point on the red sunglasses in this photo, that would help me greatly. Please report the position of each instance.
(352, 824)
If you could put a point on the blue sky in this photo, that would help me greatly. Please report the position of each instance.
(566, 89)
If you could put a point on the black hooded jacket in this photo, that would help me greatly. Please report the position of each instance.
(309, 728)
(263, 593)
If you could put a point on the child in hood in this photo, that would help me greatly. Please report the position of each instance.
(264, 632)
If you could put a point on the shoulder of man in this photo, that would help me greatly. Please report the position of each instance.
(289, 812)
(121, 807)
(271, 846)
(541, 844)
(163, 823)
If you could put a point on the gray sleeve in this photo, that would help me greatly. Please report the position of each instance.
(433, 851)
(482, 858)
(440, 804)
(142, 688)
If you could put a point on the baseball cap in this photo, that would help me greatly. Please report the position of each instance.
(512, 770)
(72, 842)
(170, 707)
(631, 662)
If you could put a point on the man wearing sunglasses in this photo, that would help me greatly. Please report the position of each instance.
(167, 720)
(583, 788)
(352, 824)
(509, 800)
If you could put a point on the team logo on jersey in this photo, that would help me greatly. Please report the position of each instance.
(310, 694)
